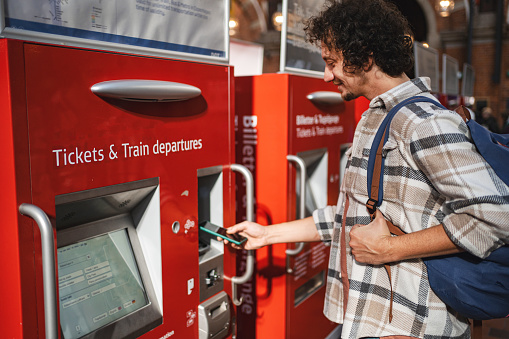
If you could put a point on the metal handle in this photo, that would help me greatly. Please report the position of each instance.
(249, 217)
(325, 98)
(301, 166)
(145, 90)
(48, 267)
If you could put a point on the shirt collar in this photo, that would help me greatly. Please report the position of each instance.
(401, 92)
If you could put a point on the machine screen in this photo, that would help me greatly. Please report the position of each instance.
(99, 282)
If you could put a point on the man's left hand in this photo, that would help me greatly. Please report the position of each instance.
(371, 244)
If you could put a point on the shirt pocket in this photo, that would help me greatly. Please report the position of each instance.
(392, 165)
(389, 147)
(391, 155)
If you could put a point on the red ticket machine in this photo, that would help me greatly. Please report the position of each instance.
(450, 101)
(117, 158)
(290, 133)
(361, 106)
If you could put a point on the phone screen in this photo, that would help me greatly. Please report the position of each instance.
(221, 232)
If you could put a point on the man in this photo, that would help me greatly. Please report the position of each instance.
(437, 187)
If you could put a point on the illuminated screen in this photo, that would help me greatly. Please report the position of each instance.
(98, 283)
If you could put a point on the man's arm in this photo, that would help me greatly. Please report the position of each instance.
(373, 243)
(303, 230)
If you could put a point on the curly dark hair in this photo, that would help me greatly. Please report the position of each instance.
(363, 29)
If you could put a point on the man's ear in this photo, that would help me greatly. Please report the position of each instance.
(368, 65)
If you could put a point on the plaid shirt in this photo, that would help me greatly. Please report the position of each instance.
(433, 175)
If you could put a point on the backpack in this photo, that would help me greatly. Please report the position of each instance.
(475, 288)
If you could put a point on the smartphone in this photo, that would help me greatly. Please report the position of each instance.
(219, 231)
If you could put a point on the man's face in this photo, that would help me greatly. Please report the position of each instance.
(350, 85)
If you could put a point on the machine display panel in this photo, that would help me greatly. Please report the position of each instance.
(186, 29)
(99, 283)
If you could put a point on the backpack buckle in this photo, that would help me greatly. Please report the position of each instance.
(371, 205)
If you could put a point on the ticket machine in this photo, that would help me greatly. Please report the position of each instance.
(110, 162)
(291, 132)
(117, 141)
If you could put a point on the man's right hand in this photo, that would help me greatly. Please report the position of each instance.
(303, 230)
(256, 235)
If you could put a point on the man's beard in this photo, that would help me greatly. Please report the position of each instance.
(348, 96)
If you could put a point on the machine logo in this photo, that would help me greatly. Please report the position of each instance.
(189, 224)
(191, 316)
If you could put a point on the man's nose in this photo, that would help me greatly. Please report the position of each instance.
(327, 75)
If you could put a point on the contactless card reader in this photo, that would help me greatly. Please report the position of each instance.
(214, 312)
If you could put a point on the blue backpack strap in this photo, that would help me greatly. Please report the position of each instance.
(383, 132)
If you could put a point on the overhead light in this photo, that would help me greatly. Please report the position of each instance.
(234, 26)
(445, 7)
(233, 23)
(277, 20)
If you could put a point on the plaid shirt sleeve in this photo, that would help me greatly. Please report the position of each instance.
(476, 206)
(324, 220)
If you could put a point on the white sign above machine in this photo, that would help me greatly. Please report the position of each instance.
(298, 55)
(185, 29)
